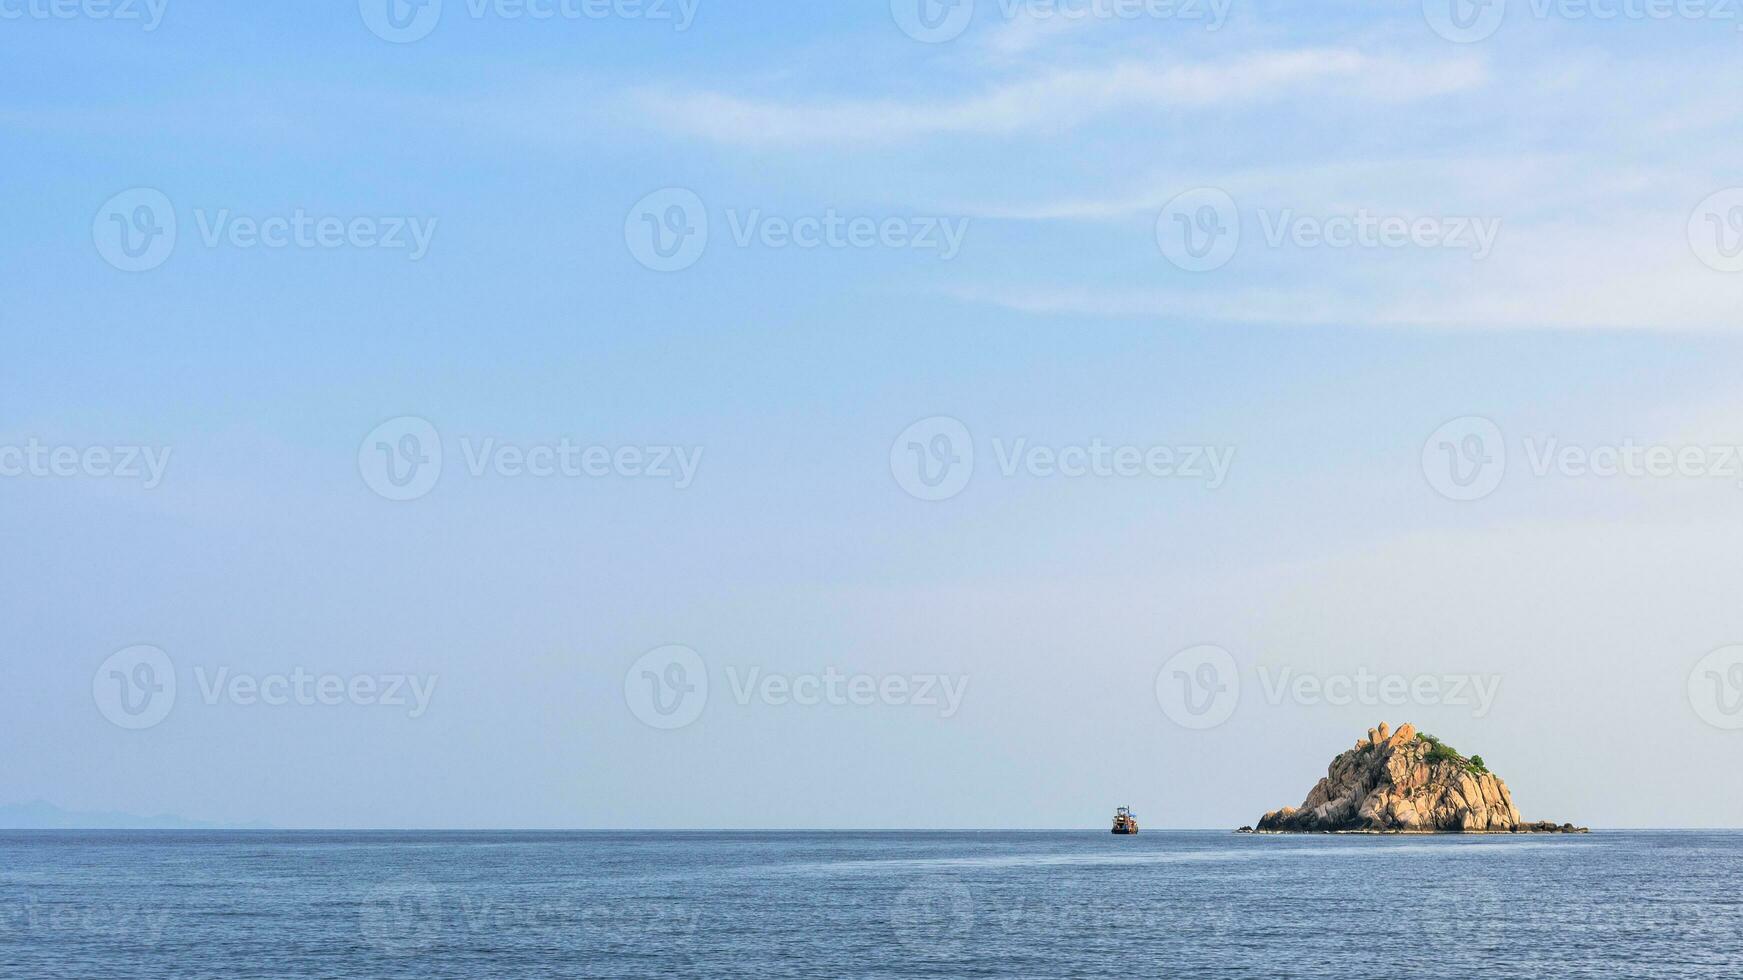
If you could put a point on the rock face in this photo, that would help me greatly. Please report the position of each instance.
(1403, 782)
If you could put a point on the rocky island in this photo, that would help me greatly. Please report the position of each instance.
(1406, 782)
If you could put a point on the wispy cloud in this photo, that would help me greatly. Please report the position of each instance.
(1025, 33)
(1633, 273)
(1517, 187)
(1060, 99)
(1276, 306)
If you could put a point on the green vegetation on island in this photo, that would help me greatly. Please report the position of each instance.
(1439, 751)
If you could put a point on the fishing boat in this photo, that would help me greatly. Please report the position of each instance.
(1125, 821)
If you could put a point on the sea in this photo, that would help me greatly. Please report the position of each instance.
(1638, 904)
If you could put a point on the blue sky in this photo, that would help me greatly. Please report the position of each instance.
(1601, 153)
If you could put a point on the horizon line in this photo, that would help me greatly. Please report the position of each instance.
(803, 830)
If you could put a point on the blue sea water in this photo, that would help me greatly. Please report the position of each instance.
(96, 905)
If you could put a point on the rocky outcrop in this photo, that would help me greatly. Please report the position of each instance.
(1405, 782)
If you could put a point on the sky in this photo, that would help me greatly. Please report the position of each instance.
(717, 414)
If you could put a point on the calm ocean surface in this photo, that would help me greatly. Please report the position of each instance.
(94, 905)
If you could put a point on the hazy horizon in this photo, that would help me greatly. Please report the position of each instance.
(73, 822)
(811, 416)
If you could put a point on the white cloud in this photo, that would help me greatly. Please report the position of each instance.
(1516, 186)
(1578, 246)
(1627, 272)
(1060, 99)
(1025, 32)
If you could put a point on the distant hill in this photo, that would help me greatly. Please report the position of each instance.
(38, 815)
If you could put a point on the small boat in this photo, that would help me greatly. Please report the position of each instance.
(1125, 821)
